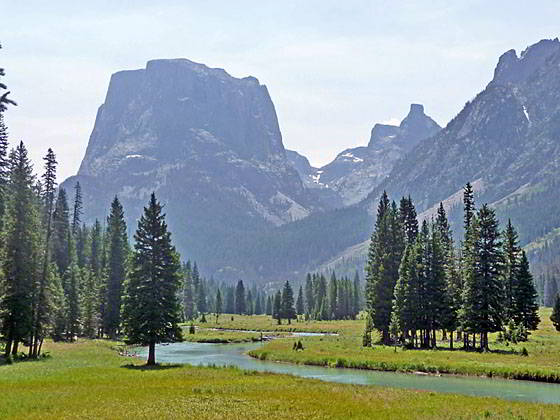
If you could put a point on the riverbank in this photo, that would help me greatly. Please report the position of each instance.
(505, 360)
(89, 379)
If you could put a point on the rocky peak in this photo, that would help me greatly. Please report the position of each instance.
(414, 127)
(514, 69)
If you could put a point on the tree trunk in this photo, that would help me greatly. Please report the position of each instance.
(40, 347)
(474, 341)
(444, 335)
(15, 348)
(8, 348)
(289, 321)
(152, 354)
(451, 340)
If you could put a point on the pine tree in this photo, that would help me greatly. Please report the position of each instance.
(218, 306)
(78, 209)
(526, 308)
(21, 259)
(151, 312)
(277, 307)
(4, 169)
(555, 317)
(89, 303)
(201, 302)
(268, 309)
(299, 304)
(60, 232)
(4, 100)
(249, 303)
(483, 301)
(240, 307)
(258, 305)
(72, 285)
(468, 205)
(357, 295)
(511, 269)
(116, 268)
(230, 300)
(333, 293)
(59, 308)
(287, 305)
(550, 291)
(188, 300)
(384, 258)
(407, 214)
(41, 311)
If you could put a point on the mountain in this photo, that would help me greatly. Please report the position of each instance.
(310, 177)
(506, 142)
(354, 173)
(207, 143)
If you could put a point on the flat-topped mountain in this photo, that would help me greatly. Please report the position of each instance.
(207, 143)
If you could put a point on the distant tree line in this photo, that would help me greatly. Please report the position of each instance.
(417, 282)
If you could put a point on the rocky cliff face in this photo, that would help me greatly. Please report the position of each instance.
(356, 172)
(207, 143)
(506, 142)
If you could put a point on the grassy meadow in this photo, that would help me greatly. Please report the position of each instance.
(345, 350)
(89, 379)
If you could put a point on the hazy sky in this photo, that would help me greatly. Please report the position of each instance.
(333, 68)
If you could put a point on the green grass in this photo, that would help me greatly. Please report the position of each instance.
(205, 335)
(266, 323)
(345, 350)
(89, 379)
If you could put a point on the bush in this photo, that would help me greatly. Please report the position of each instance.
(192, 329)
(524, 352)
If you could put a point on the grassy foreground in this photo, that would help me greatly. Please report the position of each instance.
(204, 335)
(345, 350)
(89, 379)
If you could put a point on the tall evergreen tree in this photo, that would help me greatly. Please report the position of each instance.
(151, 311)
(268, 309)
(287, 305)
(188, 299)
(526, 308)
(48, 192)
(299, 304)
(218, 306)
(20, 261)
(78, 209)
(4, 168)
(555, 316)
(4, 93)
(384, 257)
(116, 267)
(230, 300)
(483, 301)
(240, 307)
(277, 307)
(60, 232)
(511, 269)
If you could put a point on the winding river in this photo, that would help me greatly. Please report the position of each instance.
(203, 354)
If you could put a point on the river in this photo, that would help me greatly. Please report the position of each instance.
(203, 354)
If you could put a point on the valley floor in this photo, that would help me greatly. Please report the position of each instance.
(345, 350)
(89, 379)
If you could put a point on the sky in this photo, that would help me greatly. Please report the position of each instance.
(333, 68)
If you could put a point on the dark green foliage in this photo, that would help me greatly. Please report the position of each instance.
(73, 315)
(117, 254)
(277, 307)
(382, 269)
(61, 228)
(240, 306)
(268, 309)
(483, 300)
(20, 262)
(78, 209)
(230, 301)
(299, 303)
(511, 268)
(188, 299)
(287, 306)
(526, 308)
(555, 317)
(151, 312)
(218, 305)
(4, 93)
